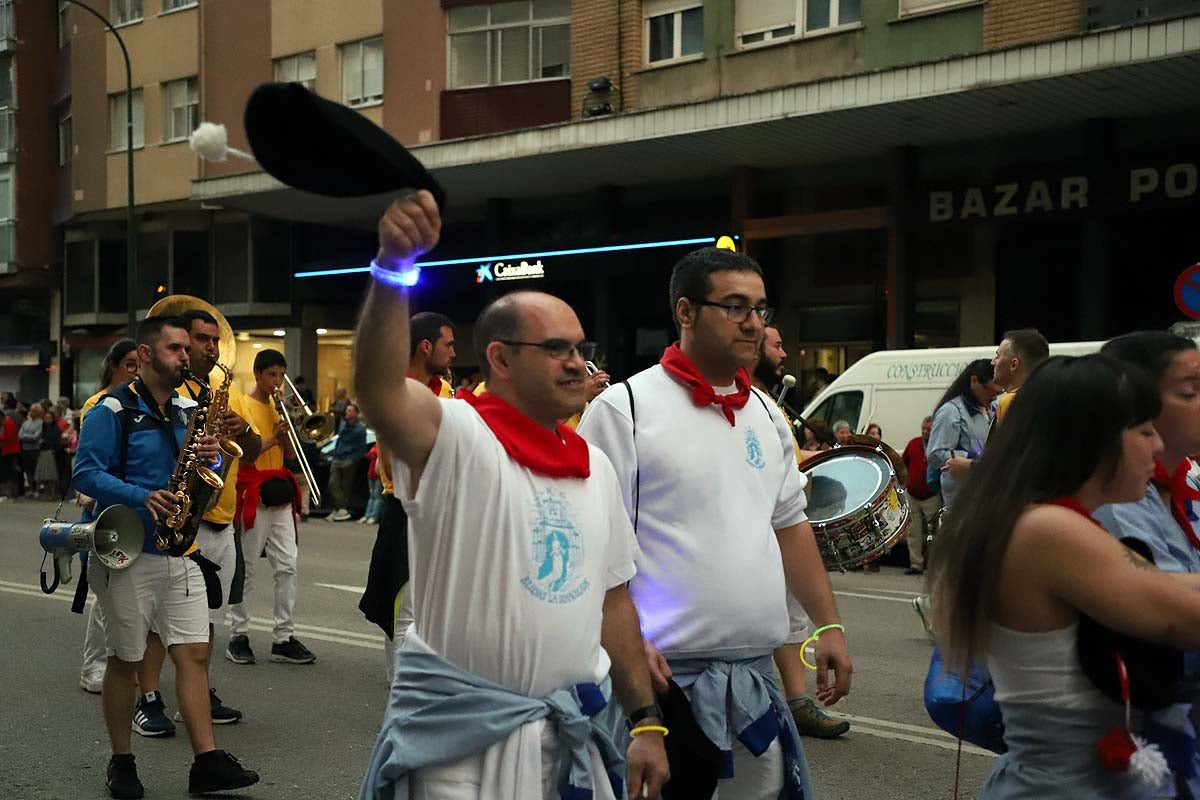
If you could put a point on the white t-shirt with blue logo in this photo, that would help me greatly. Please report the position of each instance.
(710, 576)
(510, 568)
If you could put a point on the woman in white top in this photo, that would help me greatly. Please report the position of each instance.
(1014, 569)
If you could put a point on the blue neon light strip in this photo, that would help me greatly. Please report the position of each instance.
(544, 254)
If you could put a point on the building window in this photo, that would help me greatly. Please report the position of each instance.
(174, 5)
(64, 33)
(181, 104)
(300, 68)
(512, 42)
(909, 7)
(117, 121)
(362, 72)
(769, 20)
(674, 30)
(66, 143)
(123, 12)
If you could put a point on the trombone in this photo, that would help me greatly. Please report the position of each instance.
(314, 429)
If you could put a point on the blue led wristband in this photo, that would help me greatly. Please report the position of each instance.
(395, 277)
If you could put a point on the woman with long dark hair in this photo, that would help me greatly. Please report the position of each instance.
(961, 421)
(1020, 561)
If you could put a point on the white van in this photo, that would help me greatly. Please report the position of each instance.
(896, 389)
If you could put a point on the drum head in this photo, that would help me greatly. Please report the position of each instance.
(845, 479)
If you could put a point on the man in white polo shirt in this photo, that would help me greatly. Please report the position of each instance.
(708, 472)
(523, 553)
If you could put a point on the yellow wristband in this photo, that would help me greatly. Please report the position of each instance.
(649, 729)
(816, 636)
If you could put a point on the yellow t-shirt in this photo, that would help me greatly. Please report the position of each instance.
(91, 401)
(383, 459)
(262, 417)
(1002, 405)
(792, 431)
(222, 513)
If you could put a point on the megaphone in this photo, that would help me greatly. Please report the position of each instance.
(115, 537)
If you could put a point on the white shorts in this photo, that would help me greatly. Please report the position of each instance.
(155, 593)
(799, 625)
(217, 547)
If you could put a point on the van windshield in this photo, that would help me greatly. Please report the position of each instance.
(841, 406)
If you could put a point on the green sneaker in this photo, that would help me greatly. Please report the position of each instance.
(812, 721)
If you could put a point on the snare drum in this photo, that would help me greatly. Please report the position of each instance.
(857, 507)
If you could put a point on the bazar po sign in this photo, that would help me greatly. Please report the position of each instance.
(1129, 189)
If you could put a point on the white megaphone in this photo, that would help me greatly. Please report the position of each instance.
(115, 537)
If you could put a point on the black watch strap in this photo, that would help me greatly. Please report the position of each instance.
(645, 712)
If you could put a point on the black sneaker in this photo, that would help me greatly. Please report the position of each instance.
(221, 713)
(150, 718)
(122, 781)
(239, 651)
(218, 771)
(292, 652)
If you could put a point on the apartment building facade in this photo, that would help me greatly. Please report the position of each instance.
(909, 172)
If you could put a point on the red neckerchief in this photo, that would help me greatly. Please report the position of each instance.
(434, 384)
(682, 369)
(1181, 495)
(561, 453)
(1074, 505)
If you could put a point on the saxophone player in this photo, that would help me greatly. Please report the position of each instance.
(214, 537)
(128, 451)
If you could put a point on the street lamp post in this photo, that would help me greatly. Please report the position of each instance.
(130, 218)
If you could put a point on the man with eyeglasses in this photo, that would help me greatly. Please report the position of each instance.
(521, 611)
(717, 501)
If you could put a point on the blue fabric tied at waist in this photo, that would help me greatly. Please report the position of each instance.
(742, 699)
(439, 713)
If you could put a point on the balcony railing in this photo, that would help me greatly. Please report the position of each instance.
(1115, 13)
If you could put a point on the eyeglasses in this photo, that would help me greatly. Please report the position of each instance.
(739, 312)
(559, 349)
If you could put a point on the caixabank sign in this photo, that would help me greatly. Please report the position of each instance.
(508, 271)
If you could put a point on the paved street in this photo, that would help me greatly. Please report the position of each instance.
(308, 729)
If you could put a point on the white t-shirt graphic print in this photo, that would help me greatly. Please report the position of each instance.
(510, 568)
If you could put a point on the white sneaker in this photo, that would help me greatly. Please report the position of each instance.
(341, 515)
(921, 606)
(92, 682)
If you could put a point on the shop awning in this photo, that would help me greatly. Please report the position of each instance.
(1149, 70)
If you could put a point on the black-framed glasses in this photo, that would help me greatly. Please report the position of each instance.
(740, 312)
(559, 349)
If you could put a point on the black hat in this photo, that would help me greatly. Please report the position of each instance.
(695, 762)
(1154, 670)
(323, 147)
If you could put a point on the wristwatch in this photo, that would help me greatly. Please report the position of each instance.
(645, 712)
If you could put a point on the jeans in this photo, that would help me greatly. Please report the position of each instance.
(375, 503)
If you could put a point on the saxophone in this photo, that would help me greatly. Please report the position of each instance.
(193, 484)
(216, 409)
